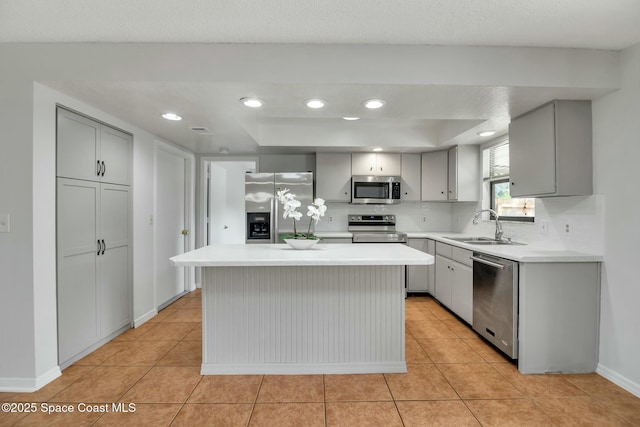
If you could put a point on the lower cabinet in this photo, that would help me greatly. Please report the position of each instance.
(454, 280)
(94, 270)
(421, 278)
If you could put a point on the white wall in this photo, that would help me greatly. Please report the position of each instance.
(584, 215)
(616, 133)
(17, 302)
(29, 352)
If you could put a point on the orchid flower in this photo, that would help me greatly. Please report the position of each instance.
(290, 204)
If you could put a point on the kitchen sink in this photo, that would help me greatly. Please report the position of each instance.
(482, 241)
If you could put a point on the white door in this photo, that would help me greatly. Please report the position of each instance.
(226, 217)
(169, 224)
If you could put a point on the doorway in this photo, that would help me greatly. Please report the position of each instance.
(224, 200)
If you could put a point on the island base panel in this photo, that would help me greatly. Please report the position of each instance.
(303, 320)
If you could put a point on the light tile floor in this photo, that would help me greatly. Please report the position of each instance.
(454, 379)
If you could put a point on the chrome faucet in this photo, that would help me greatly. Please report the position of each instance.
(476, 218)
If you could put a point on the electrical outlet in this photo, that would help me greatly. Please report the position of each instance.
(5, 223)
(567, 229)
(424, 219)
(330, 219)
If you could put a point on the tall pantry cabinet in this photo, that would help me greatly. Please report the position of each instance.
(93, 234)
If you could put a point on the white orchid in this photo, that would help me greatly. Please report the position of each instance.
(290, 204)
(317, 209)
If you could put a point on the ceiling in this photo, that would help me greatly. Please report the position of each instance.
(417, 117)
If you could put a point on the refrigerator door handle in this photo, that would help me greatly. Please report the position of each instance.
(275, 220)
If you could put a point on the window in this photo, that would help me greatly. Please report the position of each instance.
(496, 178)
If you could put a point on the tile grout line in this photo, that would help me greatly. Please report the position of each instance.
(255, 400)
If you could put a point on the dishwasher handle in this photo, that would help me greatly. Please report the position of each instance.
(487, 262)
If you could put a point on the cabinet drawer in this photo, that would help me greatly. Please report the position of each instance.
(443, 249)
(463, 256)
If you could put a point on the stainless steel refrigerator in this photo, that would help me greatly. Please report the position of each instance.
(264, 222)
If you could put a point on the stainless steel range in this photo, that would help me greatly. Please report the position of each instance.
(375, 229)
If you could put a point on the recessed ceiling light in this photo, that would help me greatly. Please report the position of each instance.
(486, 133)
(314, 103)
(372, 104)
(377, 149)
(351, 118)
(171, 116)
(251, 102)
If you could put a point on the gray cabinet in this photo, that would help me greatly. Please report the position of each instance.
(550, 151)
(93, 247)
(451, 175)
(464, 177)
(93, 228)
(410, 177)
(89, 150)
(454, 280)
(421, 278)
(385, 164)
(333, 176)
(434, 176)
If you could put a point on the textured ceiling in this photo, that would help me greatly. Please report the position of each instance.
(601, 24)
(421, 114)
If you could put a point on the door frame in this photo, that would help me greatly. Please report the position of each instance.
(202, 193)
(189, 213)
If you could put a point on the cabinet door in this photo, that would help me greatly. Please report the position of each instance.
(532, 153)
(333, 176)
(443, 280)
(462, 291)
(388, 164)
(363, 164)
(113, 267)
(434, 176)
(78, 146)
(410, 177)
(418, 275)
(77, 247)
(114, 152)
(452, 174)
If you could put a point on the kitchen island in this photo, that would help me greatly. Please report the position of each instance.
(271, 309)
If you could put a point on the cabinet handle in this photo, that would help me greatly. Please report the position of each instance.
(370, 168)
(104, 247)
(380, 168)
(442, 192)
(513, 183)
(99, 247)
(98, 169)
(104, 168)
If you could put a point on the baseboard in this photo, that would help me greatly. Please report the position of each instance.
(29, 385)
(302, 368)
(149, 315)
(616, 378)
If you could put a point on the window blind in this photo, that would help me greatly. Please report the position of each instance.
(499, 161)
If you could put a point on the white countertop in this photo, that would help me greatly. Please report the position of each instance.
(334, 234)
(282, 255)
(521, 253)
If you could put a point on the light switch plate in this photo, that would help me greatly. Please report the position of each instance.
(5, 223)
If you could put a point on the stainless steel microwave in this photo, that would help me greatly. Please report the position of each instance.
(375, 190)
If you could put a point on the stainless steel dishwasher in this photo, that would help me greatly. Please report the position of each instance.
(495, 301)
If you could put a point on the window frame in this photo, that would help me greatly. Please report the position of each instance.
(492, 202)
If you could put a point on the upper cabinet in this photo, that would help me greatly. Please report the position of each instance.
(550, 151)
(451, 175)
(410, 177)
(434, 176)
(91, 151)
(376, 164)
(333, 176)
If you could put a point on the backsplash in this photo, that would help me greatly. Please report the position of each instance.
(584, 215)
(410, 216)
